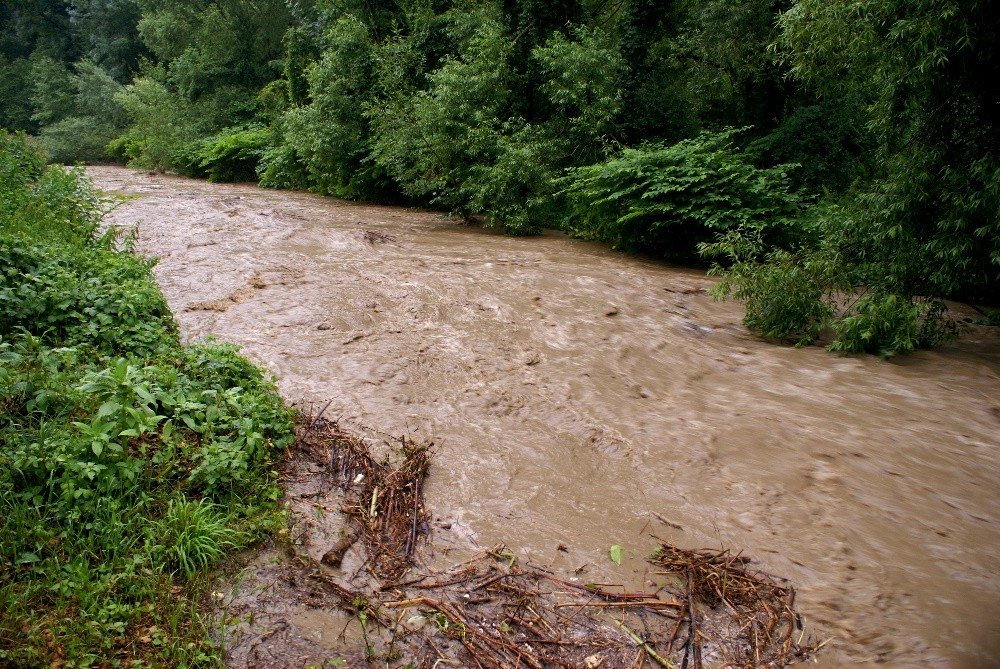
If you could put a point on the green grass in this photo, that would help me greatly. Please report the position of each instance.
(129, 463)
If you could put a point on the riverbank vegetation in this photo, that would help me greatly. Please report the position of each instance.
(129, 463)
(836, 161)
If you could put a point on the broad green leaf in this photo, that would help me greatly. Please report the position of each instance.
(108, 409)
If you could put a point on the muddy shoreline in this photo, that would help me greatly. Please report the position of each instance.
(572, 393)
(355, 580)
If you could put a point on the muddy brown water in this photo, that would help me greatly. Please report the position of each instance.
(577, 397)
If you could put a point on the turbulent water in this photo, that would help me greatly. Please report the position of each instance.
(578, 398)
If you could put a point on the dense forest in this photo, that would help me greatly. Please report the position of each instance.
(836, 162)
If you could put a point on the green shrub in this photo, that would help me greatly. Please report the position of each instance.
(786, 296)
(21, 164)
(282, 167)
(457, 144)
(665, 200)
(806, 290)
(886, 324)
(231, 155)
(87, 294)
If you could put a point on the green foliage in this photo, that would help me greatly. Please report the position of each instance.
(125, 456)
(988, 317)
(52, 94)
(107, 32)
(231, 155)
(208, 46)
(94, 121)
(460, 143)
(806, 290)
(723, 65)
(430, 141)
(887, 324)
(665, 200)
(15, 105)
(925, 227)
(829, 142)
(197, 108)
(581, 79)
(40, 201)
(925, 71)
(161, 123)
(328, 138)
(95, 296)
(21, 165)
(192, 536)
(788, 295)
(76, 110)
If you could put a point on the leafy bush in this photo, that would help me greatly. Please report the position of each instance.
(20, 166)
(807, 290)
(125, 456)
(924, 225)
(664, 200)
(231, 155)
(282, 167)
(787, 295)
(828, 140)
(888, 325)
(45, 203)
(95, 296)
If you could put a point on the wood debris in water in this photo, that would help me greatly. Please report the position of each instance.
(748, 615)
(373, 237)
(383, 497)
(493, 612)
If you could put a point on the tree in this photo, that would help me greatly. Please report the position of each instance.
(212, 58)
(108, 34)
(926, 225)
(80, 127)
(486, 132)
(31, 31)
(929, 70)
(329, 135)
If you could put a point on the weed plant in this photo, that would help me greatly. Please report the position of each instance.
(129, 463)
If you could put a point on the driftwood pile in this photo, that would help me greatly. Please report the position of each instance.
(492, 612)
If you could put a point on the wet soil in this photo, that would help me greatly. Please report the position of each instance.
(580, 398)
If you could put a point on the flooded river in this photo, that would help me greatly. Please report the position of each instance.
(581, 398)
